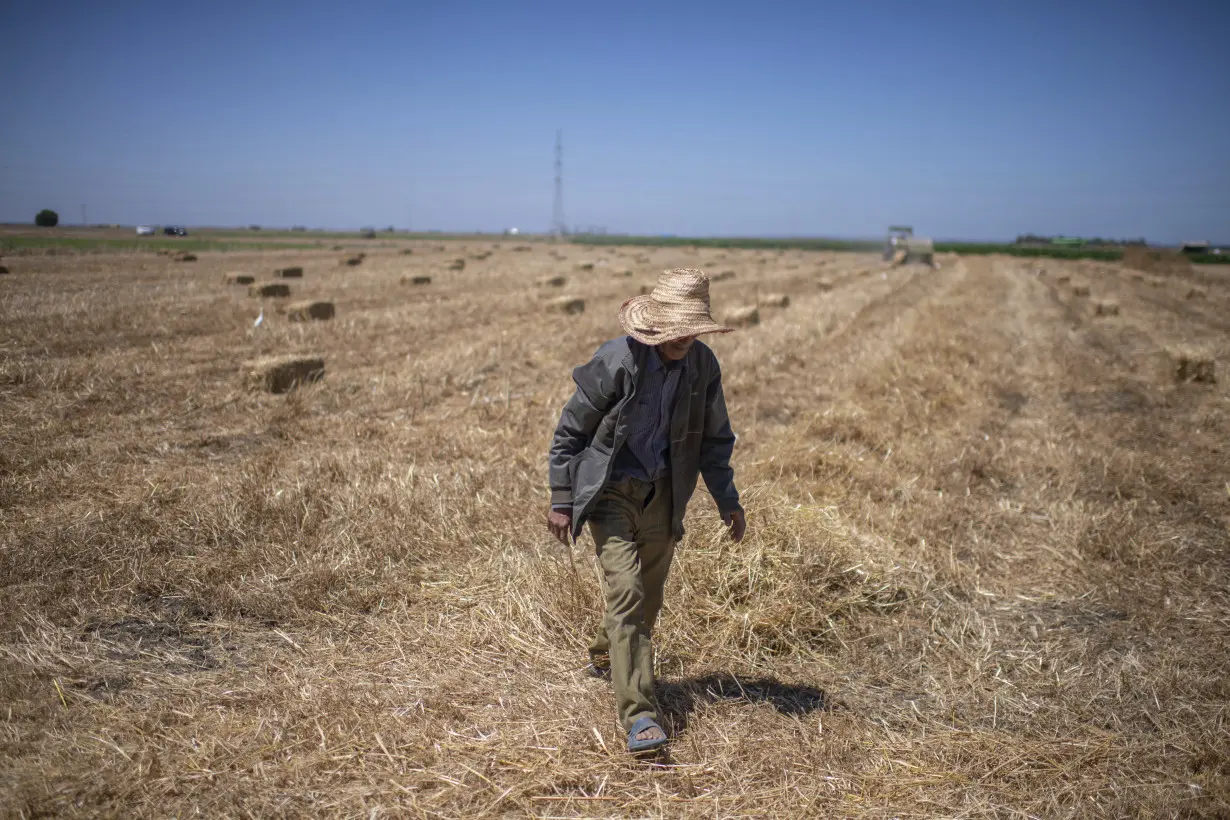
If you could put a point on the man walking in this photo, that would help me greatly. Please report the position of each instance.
(647, 418)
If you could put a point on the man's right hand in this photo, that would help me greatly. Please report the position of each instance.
(559, 523)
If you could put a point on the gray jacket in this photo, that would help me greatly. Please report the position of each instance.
(592, 429)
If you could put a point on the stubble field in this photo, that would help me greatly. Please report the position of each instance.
(986, 570)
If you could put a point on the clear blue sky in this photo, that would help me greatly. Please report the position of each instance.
(975, 120)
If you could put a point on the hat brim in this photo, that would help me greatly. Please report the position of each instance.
(667, 332)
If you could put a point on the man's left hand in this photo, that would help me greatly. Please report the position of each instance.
(736, 522)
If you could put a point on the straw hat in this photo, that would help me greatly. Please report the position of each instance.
(677, 307)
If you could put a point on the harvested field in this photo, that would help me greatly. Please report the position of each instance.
(986, 569)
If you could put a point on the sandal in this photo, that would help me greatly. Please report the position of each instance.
(650, 744)
(599, 665)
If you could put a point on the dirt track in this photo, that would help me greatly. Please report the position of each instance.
(986, 569)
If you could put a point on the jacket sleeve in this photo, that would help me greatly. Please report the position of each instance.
(597, 391)
(716, 445)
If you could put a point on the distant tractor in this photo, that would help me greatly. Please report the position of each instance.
(903, 248)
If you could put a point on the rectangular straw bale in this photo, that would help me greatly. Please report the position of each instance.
(824, 284)
(723, 276)
(1080, 290)
(289, 273)
(1107, 309)
(1063, 280)
(552, 282)
(353, 260)
(1195, 366)
(281, 374)
(416, 280)
(571, 305)
(1196, 293)
(777, 300)
(269, 289)
(457, 264)
(743, 316)
(186, 257)
(306, 311)
(239, 279)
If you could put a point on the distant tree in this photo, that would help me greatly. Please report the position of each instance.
(47, 218)
(369, 233)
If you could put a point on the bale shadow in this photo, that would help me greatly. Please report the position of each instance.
(679, 699)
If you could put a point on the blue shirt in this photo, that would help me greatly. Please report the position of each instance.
(646, 452)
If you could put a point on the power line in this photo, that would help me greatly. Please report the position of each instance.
(558, 226)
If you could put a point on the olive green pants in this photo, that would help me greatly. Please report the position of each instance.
(631, 526)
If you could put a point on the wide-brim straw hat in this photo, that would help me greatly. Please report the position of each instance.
(677, 307)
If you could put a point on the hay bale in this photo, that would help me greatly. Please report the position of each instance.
(723, 276)
(743, 316)
(289, 273)
(1063, 280)
(1080, 290)
(3, 270)
(269, 290)
(571, 305)
(407, 251)
(824, 284)
(1192, 366)
(1196, 293)
(281, 374)
(585, 266)
(552, 282)
(1107, 309)
(1138, 277)
(646, 290)
(353, 260)
(479, 257)
(238, 279)
(1150, 260)
(621, 274)
(522, 248)
(339, 247)
(416, 280)
(306, 311)
(458, 264)
(186, 257)
(777, 300)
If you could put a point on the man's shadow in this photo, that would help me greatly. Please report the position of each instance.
(680, 698)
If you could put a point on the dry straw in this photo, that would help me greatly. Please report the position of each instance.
(281, 374)
(743, 316)
(984, 573)
(289, 273)
(775, 300)
(1107, 309)
(1195, 366)
(571, 305)
(269, 290)
(307, 311)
